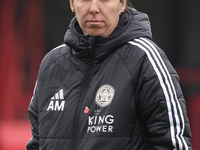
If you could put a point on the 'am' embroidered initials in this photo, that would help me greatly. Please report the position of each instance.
(56, 104)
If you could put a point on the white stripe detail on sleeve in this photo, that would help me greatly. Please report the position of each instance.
(34, 91)
(156, 61)
(176, 99)
(62, 45)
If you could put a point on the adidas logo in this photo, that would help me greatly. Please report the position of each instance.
(58, 95)
(56, 104)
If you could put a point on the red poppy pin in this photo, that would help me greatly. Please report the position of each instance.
(86, 111)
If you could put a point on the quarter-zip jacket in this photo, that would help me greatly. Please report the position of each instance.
(114, 93)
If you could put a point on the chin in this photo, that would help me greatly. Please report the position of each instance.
(95, 33)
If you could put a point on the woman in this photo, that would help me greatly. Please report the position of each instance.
(109, 87)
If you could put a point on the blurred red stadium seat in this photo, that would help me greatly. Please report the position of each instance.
(14, 135)
(194, 118)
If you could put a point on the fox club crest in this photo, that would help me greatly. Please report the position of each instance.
(104, 95)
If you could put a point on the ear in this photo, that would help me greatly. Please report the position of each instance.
(123, 5)
(72, 5)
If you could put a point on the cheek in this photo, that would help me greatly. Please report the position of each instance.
(80, 20)
(80, 17)
(113, 17)
(113, 13)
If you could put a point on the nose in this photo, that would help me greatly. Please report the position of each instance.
(94, 8)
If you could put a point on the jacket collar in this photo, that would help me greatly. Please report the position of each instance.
(132, 24)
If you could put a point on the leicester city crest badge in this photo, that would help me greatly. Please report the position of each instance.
(104, 95)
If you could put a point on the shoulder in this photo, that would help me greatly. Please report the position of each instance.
(143, 55)
(54, 55)
(146, 45)
(153, 54)
(142, 49)
(133, 52)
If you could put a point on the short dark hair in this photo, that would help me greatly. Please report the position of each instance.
(128, 3)
(66, 5)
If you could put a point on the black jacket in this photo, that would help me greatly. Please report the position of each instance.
(115, 93)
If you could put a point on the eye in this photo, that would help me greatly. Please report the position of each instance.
(105, 0)
(86, 0)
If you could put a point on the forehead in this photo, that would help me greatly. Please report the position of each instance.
(98, 0)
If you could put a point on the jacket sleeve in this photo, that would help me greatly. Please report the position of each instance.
(160, 102)
(33, 143)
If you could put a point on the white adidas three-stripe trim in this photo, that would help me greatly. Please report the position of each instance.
(58, 95)
(168, 89)
(62, 45)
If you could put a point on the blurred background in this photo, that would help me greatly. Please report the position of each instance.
(31, 28)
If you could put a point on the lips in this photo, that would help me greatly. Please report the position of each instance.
(94, 22)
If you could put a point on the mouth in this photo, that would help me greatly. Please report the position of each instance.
(94, 22)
